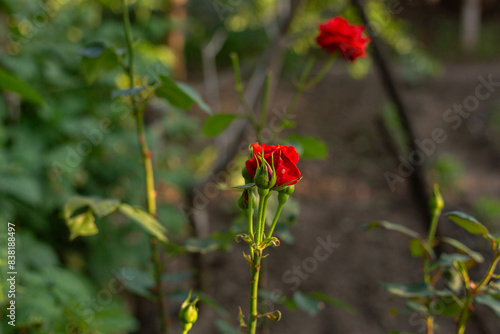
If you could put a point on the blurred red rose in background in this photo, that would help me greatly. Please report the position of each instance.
(338, 35)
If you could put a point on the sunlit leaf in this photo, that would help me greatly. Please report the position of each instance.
(421, 290)
(148, 222)
(468, 222)
(461, 247)
(82, 225)
(393, 227)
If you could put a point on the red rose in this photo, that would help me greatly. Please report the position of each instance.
(282, 159)
(338, 34)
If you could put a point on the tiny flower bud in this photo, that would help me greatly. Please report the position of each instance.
(284, 194)
(244, 201)
(246, 175)
(289, 190)
(436, 202)
(264, 176)
(189, 313)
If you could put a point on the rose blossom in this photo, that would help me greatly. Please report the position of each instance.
(338, 35)
(281, 159)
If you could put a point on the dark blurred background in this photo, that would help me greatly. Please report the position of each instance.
(438, 53)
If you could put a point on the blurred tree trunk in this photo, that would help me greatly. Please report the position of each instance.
(176, 38)
(470, 24)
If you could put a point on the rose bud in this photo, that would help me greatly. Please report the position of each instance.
(265, 178)
(244, 201)
(189, 313)
(246, 175)
(284, 194)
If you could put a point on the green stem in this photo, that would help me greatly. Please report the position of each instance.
(238, 86)
(262, 195)
(430, 241)
(429, 321)
(250, 213)
(464, 314)
(490, 272)
(301, 87)
(148, 166)
(263, 221)
(254, 288)
(275, 219)
(433, 228)
(326, 68)
(265, 101)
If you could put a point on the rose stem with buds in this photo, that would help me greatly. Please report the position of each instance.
(257, 256)
(148, 167)
(471, 292)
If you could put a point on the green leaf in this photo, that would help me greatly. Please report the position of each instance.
(25, 188)
(416, 247)
(195, 96)
(148, 222)
(12, 83)
(217, 123)
(311, 147)
(421, 290)
(332, 301)
(448, 306)
(306, 303)
(491, 302)
(469, 223)
(104, 207)
(137, 281)
(461, 247)
(249, 185)
(98, 60)
(417, 306)
(180, 95)
(448, 260)
(195, 245)
(82, 225)
(393, 227)
(100, 207)
(462, 269)
(126, 92)
(73, 204)
(286, 124)
(177, 277)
